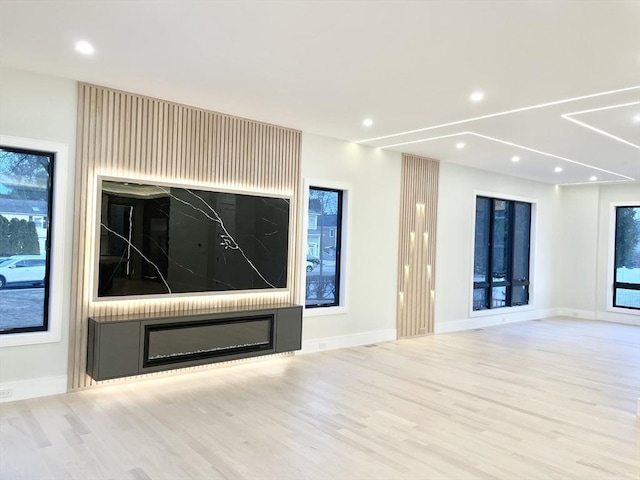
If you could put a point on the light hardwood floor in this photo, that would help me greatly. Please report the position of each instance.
(551, 399)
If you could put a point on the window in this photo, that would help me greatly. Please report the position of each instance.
(323, 248)
(26, 179)
(501, 253)
(626, 271)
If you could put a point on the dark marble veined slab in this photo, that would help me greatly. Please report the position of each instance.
(157, 239)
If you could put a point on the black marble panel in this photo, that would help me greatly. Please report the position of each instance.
(157, 239)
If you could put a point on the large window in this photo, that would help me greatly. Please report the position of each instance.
(501, 253)
(626, 273)
(323, 248)
(26, 179)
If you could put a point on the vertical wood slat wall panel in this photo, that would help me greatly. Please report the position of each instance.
(130, 136)
(417, 248)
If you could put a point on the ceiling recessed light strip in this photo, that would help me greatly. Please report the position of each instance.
(590, 183)
(426, 139)
(492, 115)
(575, 162)
(567, 116)
(511, 144)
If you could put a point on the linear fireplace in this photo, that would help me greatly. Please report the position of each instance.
(184, 341)
(136, 344)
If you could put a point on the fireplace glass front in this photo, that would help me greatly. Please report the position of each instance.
(182, 342)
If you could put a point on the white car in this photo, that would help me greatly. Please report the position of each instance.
(23, 270)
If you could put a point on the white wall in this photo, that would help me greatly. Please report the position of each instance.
(578, 244)
(372, 252)
(455, 236)
(41, 108)
(586, 242)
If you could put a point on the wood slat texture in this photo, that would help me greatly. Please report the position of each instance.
(135, 137)
(417, 246)
(539, 400)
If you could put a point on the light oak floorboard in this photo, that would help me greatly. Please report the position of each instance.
(550, 399)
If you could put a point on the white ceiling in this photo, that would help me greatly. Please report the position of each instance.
(323, 66)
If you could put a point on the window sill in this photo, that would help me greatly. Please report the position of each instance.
(324, 311)
(626, 311)
(29, 338)
(500, 311)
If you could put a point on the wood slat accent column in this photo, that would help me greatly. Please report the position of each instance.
(135, 137)
(417, 246)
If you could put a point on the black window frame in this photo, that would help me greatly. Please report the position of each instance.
(508, 282)
(338, 254)
(616, 284)
(47, 249)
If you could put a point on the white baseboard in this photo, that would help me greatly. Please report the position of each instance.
(493, 320)
(37, 387)
(614, 317)
(575, 313)
(630, 319)
(343, 341)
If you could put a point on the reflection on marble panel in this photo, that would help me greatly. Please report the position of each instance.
(156, 239)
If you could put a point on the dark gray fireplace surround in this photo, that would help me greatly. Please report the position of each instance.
(129, 345)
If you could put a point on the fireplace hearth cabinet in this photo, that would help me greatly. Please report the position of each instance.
(130, 345)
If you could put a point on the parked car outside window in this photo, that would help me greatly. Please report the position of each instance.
(25, 270)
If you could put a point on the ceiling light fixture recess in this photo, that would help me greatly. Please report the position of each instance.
(557, 169)
(637, 118)
(477, 96)
(593, 178)
(460, 145)
(85, 48)
(367, 122)
(515, 158)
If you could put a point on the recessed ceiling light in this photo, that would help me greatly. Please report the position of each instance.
(593, 178)
(515, 158)
(367, 122)
(460, 145)
(85, 48)
(557, 169)
(477, 96)
(637, 118)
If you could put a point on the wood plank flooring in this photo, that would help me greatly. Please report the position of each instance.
(550, 399)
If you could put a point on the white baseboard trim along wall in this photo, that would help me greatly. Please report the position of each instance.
(492, 320)
(614, 317)
(36, 387)
(344, 341)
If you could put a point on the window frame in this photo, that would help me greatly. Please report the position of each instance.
(57, 251)
(533, 202)
(611, 273)
(343, 295)
(33, 263)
